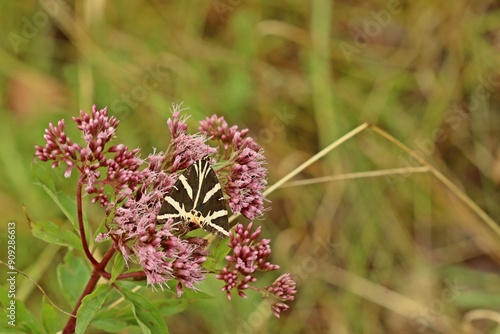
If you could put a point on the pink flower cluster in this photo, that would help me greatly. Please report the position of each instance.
(246, 178)
(184, 149)
(163, 250)
(283, 289)
(119, 163)
(248, 257)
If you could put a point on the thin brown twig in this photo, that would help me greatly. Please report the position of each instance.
(38, 286)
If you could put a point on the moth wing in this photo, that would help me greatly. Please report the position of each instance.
(197, 188)
(179, 200)
(212, 204)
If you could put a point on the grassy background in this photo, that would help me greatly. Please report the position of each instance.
(393, 254)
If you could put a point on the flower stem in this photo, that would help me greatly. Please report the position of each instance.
(80, 221)
(91, 284)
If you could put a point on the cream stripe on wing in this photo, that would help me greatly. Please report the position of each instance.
(212, 192)
(217, 214)
(181, 212)
(186, 186)
(201, 178)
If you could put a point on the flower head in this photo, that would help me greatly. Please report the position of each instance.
(120, 165)
(249, 255)
(184, 149)
(58, 147)
(245, 176)
(283, 289)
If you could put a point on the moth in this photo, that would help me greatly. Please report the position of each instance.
(197, 198)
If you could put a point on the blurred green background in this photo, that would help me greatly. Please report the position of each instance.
(393, 254)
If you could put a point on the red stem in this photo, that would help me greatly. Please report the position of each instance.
(98, 266)
(94, 278)
(135, 275)
(80, 222)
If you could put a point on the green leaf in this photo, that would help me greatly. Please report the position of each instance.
(118, 266)
(148, 316)
(171, 306)
(221, 250)
(68, 205)
(187, 294)
(116, 319)
(73, 276)
(217, 255)
(53, 234)
(43, 177)
(110, 325)
(119, 312)
(50, 319)
(90, 305)
(4, 294)
(193, 295)
(6, 328)
(19, 319)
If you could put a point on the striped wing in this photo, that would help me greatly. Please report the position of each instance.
(197, 197)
